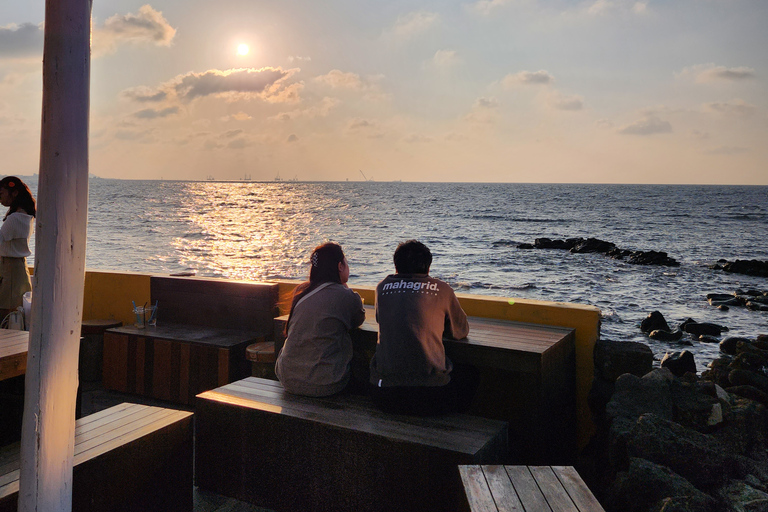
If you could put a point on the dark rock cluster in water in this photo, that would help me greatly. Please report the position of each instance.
(746, 267)
(755, 300)
(673, 443)
(592, 245)
(657, 328)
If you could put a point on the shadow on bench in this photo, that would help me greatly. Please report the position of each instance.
(257, 443)
(128, 458)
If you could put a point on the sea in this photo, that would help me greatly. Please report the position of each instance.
(266, 230)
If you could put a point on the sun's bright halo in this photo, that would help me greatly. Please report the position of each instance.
(242, 49)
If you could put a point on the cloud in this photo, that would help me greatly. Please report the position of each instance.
(614, 7)
(144, 94)
(151, 113)
(561, 101)
(708, 73)
(445, 58)
(365, 127)
(267, 84)
(297, 58)
(414, 23)
(148, 26)
(736, 107)
(238, 143)
(21, 41)
(490, 103)
(417, 139)
(240, 116)
(539, 77)
(727, 150)
(339, 79)
(651, 125)
(321, 110)
(144, 137)
(230, 133)
(486, 6)
(292, 138)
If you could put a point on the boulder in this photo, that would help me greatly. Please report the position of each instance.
(615, 358)
(728, 346)
(708, 339)
(750, 392)
(644, 484)
(743, 497)
(697, 328)
(593, 245)
(744, 432)
(548, 243)
(747, 267)
(748, 378)
(662, 335)
(697, 457)
(718, 299)
(679, 363)
(654, 321)
(652, 258)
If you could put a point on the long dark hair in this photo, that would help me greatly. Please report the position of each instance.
(23, 200)
(324, 268)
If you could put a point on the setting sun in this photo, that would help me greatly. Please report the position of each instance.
(242, 49)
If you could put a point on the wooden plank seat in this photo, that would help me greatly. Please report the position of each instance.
(526, 488)
(258, 443)
(129, 457)
(527, 378)
(199, 343)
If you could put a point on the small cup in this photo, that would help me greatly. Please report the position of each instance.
(141, 318)
(151, 316)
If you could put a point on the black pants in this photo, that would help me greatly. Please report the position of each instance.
(456, 396)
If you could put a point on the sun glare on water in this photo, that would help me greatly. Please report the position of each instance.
(242, 49)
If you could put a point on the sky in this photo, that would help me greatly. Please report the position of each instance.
(562, 91)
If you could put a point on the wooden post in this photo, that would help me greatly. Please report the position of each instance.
(47, 440)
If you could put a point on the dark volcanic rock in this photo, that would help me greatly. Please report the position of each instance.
(652, 258)
(749, 392)
(593, 245)
(548, 243)
(668, 444)
(655, 320)
(728, 346)
(615, 358)
(662, 335)
(679, 363)
(747, 267)
(699, 328)
(748, 378)
(644, 484)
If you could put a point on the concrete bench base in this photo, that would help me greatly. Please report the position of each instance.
(257, 443)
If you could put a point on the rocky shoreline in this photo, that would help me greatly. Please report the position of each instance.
(595, 245)
(673, 441)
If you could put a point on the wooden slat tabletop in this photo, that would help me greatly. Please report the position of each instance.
(489, 332)
(526, 489)
(13, 353)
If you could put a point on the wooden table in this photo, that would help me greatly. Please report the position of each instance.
(174, 362)
(527, 378)
(527, 488)
(13, 353)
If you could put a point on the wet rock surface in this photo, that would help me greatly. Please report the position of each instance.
(746, 267)
(595, 245)
(674, 441)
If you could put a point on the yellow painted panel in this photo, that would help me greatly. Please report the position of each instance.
(108, 295)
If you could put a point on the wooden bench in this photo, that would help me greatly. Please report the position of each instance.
(127, 458)
(527, 378)
(526, 488)
(255, 442)
(203, 329)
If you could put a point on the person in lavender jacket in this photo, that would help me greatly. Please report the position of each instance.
(317, 355)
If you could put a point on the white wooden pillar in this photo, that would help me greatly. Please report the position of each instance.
(47, 440)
